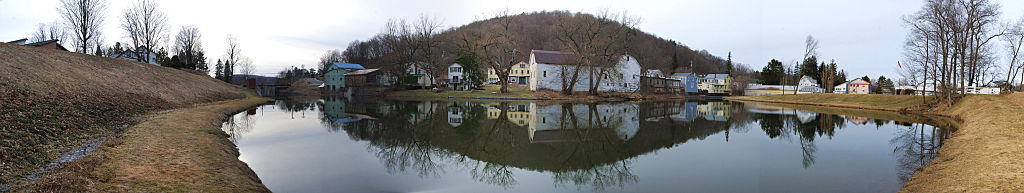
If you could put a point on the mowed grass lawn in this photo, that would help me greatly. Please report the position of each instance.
(489, 90)
(875, 101)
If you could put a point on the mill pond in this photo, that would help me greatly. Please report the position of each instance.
(375, 145)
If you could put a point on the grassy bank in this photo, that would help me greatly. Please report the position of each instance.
(985, 154)
(182, 150)
(52, 101)
(858, 101)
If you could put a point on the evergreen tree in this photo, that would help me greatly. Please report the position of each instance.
(809, 68)
(675, 60)
(728, 64)
(773, 73)
(866, 78)
(218, 71)
(471, 69)
(200, 63)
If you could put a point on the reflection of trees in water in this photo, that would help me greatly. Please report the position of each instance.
(491, 148)
(237, 125)
(915, 147)
(617, 174)
(782, 125)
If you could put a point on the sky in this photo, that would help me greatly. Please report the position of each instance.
(864, 37)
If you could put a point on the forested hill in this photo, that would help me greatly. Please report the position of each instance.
(535, 31)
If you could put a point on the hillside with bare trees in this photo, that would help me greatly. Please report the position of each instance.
(403, 42)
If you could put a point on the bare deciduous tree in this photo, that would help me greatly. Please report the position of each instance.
(1013, 41)
(597, 43)
(811, 46)
(495, 45)
(429, 44)
(232, 56)
(145, 26)
(83, 19)
(188, 44)
(950, 44)
(246, 67)
(330, 57)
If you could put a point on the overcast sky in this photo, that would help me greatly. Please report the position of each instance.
(863, 36)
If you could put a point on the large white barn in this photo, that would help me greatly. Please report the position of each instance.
(549, 66)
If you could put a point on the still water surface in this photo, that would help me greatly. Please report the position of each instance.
(370, 145)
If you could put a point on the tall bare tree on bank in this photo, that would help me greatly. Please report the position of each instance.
(495, 46)
(597, 43)
(246, 67)
(232, 56)
(429, 42)
(84, 18)
(811, 46)
(329, 57)
(955, 37)
(1013, 42)
(145, 26)
(188, 46)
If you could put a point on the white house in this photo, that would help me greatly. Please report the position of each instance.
(808, 85)
(417, 71)
(840, 89)
(456, 79)
(548, 67)
(134, 56)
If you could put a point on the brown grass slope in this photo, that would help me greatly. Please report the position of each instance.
(985, 154)
(860, 101)
(51, 101)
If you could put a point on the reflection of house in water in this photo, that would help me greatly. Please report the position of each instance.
(334, 110)
(557, 123)
(423, 109)
(518, 114)
(714, 111)
(803, 116)
(687, 113)
(455, 113)
(857, 120)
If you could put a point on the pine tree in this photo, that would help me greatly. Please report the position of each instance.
(728, 64)
(218, 73)
(675, 60)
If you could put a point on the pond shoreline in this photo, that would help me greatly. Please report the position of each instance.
(179, 150)
(985, 153)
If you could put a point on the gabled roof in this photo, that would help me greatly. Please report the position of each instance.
(347, 66)
(552, 57)
(19, 42)
(41, 43)
(859, 81)
(682, 74)
(716, 76)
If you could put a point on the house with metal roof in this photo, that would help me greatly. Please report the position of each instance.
(134, 55)
(548, 67)
(51, 44)
(715, 84)
(334, 79)
(688, 81)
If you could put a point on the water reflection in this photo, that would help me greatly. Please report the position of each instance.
(580, 145)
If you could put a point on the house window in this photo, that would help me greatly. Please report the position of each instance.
(545, 73)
